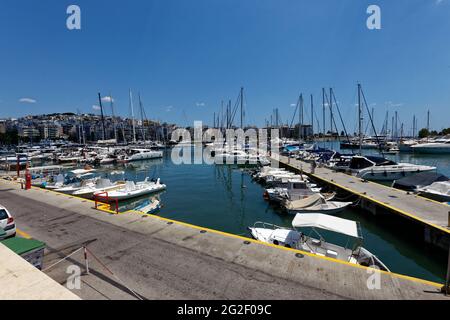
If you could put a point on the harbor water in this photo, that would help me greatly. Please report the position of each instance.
(225, 198)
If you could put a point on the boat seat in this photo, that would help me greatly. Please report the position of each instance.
(332, 254)
(316, 242)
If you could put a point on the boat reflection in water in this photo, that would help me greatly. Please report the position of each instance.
(145, 204)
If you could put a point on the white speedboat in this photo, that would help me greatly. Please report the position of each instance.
(294, 238)
(101, 185)
(438, 146)
(131, 189)
(439, 191)
(140, 154)
(314, 203)
(295, 190)
(239, 157)
(72, 187)
(381, 169)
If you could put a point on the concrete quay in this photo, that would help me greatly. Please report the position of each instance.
(159, 258)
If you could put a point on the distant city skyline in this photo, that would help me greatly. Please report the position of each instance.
(185, 57)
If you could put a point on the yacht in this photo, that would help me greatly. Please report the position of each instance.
(239, 157)
(140, 154)
(306, 236)
(406, 145)
(437, 146)
(381, 169)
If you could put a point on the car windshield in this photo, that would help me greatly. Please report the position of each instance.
(3, 214)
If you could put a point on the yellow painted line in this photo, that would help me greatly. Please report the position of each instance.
(392, 274)
(23, 234)
(414, 217)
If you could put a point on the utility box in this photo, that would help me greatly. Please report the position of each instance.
(29, 249)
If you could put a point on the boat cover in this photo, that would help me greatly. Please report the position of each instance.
(305, 202)
(418, 180)
(440, 187)
(326, 222)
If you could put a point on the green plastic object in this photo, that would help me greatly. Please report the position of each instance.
(21, 246)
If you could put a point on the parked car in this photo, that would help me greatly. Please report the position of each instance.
(7, 222)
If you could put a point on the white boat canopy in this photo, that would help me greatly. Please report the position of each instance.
(326, 222)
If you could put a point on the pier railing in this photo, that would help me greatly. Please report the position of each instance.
(102, 198)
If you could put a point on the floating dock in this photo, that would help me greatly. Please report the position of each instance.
(376, 198)
(160, 258)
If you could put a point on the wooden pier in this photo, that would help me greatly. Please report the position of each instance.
(432, 215)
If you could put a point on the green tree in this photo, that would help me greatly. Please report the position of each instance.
(423, 133)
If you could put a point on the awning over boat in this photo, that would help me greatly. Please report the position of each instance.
(326, 222)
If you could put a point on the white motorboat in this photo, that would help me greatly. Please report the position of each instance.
(437, 146)
(239, 157)
(439, 191)
(140, 154)
(352, 252)
(266, 171)
(101, 185)
(72, 187)
(381, 169)
(406, 145)
(131, 189)
(314, 203)
(295, 190)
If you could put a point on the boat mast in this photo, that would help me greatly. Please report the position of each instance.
(323, 110)
(141, 108)
(242, 107)
(360, 119)
(103, 119)
(331, 112)
(113, 116)
(300, 117)
(132, 117)
(312, 116)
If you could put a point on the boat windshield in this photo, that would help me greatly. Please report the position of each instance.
(369, 161)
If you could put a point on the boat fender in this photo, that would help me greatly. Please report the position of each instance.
(275, 242)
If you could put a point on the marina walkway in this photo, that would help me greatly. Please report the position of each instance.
(163, 259)
(428, 212)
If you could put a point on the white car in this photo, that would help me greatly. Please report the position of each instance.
(7, 222)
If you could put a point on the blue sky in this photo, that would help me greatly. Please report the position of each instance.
(185, 56)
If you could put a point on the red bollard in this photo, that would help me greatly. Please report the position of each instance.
(27, 180)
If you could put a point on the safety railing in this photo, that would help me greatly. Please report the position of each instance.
(102, 198)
